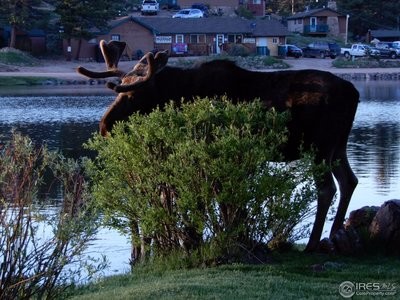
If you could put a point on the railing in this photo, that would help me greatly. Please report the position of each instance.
(323, 28)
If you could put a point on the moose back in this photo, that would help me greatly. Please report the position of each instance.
(322, 108)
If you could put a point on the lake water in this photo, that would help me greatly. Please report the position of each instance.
(66, 117)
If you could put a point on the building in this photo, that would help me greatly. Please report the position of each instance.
(203, 36)
(228, 7)
(383, 35)
(319, 22)
(32, 41)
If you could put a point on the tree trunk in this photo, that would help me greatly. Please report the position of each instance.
(78, 51)
(13, 37)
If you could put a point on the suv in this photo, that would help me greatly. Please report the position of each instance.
(150, 7)
(322, 50)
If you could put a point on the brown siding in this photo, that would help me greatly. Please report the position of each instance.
(211, 3)
(136, 36)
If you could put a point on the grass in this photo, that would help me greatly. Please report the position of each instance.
(365, 62)
(23, 80)
(294, 275)
(16, 57)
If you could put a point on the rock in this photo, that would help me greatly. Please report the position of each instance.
(347, 241)
(326, 246)
(385, 228)
(362, 217)
(370, 229)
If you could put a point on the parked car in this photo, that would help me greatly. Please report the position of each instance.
(150, 7)
(202, 7)
(386, 49)
(321, 50)
(293, 51)
(359, 50)
(189, 13)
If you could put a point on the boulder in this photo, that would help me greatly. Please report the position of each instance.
(361, 218)
(384, 229)
(370, 229)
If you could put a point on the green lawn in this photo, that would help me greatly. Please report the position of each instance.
(288, 276)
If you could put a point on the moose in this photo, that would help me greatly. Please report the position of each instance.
(322, 107)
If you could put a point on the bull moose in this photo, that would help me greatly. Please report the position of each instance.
(322, 108)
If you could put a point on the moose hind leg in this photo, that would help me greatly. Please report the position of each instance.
(326, 191)
(347, 182)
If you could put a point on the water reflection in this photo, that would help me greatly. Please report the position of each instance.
(374, 145)
(63, 122)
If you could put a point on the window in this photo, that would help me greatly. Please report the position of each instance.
(115, 37)
(197, 38)
(256, 1)
(235, 38)
(179, 39)
(275, 40)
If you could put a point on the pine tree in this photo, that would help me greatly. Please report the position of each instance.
(78, 18)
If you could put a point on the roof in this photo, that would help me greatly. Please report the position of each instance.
(385, 33)
(312, 12)
(212, 25)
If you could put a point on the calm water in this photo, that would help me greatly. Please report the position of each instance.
(65, 118)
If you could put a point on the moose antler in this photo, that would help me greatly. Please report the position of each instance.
(142, 72)
(112, 52)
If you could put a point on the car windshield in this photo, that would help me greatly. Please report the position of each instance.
(184, 12)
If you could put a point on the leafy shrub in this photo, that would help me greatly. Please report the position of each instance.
(34, 264)
(199, 180)
(237, 50)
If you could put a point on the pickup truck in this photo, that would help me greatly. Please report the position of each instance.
(358, 50)
(150, 7)
(388, 49)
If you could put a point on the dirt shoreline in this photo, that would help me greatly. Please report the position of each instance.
(66, 70)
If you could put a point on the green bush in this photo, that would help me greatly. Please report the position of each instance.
(199, 181)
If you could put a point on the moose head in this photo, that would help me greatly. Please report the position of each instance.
(322, 108)
(137, 79)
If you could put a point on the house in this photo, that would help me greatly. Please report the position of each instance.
(383, 35)
(203, 36)
(319, 22)
(33, 41)
(228, 7)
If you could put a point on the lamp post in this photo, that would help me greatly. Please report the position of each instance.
(347, 29)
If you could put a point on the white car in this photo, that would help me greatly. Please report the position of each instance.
(189, 13)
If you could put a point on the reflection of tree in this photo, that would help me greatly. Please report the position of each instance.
(378, 90)
(65, 137)
(374, 152)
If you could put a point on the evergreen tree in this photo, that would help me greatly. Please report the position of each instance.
(370, 14)
(79, 18)
(18, 15)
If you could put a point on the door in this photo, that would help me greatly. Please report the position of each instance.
(313, 24)
(219, 41)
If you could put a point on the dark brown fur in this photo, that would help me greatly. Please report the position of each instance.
(322, 109)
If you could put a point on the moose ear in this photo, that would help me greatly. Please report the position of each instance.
(160, 60)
